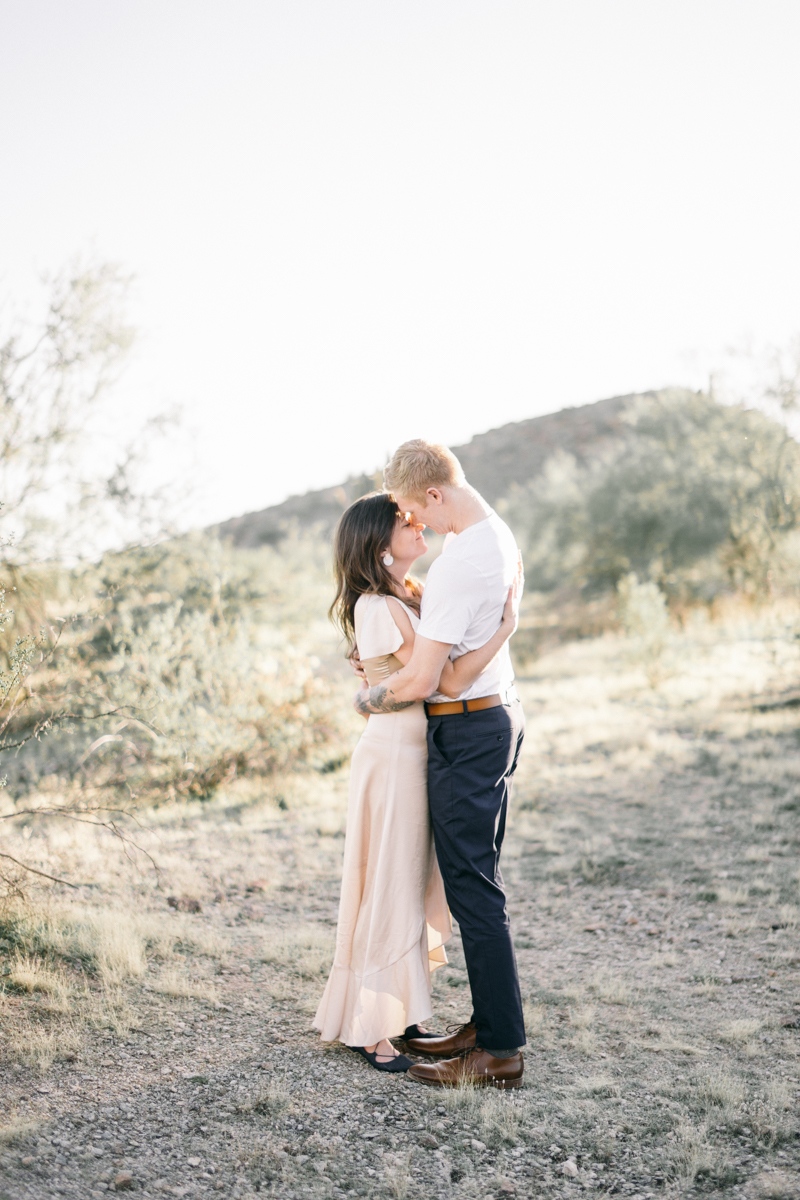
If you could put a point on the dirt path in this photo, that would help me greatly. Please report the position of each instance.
(653, 882)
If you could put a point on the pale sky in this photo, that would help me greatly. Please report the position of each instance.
(358, 221)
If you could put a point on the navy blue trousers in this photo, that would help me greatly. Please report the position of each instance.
(471, 761)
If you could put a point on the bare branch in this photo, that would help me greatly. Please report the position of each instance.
(43, 874)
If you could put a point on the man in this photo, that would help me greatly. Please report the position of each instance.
(473, 748)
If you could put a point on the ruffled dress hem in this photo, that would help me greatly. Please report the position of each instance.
(361, 1009)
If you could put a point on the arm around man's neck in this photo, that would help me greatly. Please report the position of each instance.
(417, 680)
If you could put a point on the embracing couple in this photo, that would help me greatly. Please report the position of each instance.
(430, 776)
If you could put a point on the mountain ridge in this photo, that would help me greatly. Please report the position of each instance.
(493, 462)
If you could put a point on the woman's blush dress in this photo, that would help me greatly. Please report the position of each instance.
(393, 916)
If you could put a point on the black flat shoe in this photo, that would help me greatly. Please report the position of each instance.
(414, 1031)
(399, 1063)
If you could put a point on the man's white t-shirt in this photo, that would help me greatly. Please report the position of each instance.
(464, 596)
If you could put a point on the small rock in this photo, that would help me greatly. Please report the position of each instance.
(427, 1139)
(302, 1158)
(569, 1168)
(193, 1162)
(595, 928)
(632, 920)
(123, 1182)
(476, 1145)
(508, 1186)
(28, 1160)
(184, 904)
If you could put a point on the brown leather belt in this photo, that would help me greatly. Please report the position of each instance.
(451, 707)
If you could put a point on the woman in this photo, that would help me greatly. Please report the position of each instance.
(393, 916)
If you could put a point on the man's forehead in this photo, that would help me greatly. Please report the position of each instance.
(408, 504)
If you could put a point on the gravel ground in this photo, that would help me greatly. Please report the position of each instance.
(653, 884)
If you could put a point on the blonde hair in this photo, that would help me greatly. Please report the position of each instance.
(417, 465)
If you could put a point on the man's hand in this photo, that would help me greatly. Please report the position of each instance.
(370, 701)
(361, 696)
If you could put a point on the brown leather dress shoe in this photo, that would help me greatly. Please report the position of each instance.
(476, 1069)
(462, 1038)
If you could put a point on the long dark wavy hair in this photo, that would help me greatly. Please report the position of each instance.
(362, 535)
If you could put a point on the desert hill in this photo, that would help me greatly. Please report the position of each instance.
(493, 461)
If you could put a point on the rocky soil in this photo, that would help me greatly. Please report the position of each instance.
(653, 885)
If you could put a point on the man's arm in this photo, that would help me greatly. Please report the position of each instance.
(417, 680)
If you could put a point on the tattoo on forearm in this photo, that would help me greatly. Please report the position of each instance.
(380, 699)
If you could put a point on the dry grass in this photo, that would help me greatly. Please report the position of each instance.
(720, 1090)
(463, 1099)
(111, 943)
(176, 983)
(499, 1117)
(582, 1018)
(29, 974)
(307, 952)
(708, 987)
(741, 1030)
(397, 1174)
(38, 1047)
(729, 895)
(692, 1155)
(112, 1009)
(16, 1129)
(535, 1016)
(611, 989)
(600, 1085)
(775, 1185)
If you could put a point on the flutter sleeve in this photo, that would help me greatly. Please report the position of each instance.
(376, 632)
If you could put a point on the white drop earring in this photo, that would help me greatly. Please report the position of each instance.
(387, 559)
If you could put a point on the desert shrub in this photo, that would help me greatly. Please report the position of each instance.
(185, 665)
(643, 614)
(693, 483)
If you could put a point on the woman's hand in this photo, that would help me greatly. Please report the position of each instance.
(510, 619)
(355, 663)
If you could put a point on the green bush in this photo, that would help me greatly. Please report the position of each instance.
(691, 482)
(186, 665)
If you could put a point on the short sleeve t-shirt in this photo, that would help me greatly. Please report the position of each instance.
(464, 596)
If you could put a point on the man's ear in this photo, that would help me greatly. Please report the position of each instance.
(433, 496)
